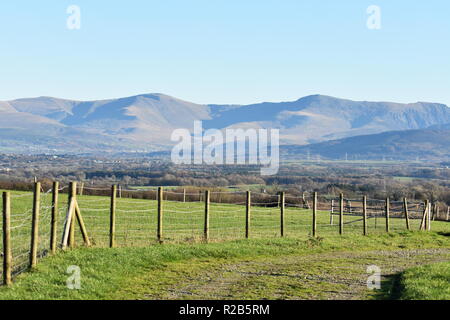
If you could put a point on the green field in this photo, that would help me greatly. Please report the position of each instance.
(183, 225)
(136, 220)
(329, 268)
(426, 282)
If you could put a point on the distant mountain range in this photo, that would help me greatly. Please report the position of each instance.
(423, 144)
(145, 122)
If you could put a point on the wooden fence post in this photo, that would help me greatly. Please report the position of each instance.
(332, 212)
(281, 203)
(72, 195)
(247, 214)
(387, 212)
(427, 213)
(448, 213)
(112, 217)
(305, 202)
(82, 226)
(54, 219)
(160, 214)
(81, 188)
(436, 212)
(314, 222)
(206, 226)
(35, 225)
(365, 215)
(406, 212)
(7, 254)
(341, 214)
(184, 195)
(67, 224)
(429, 219)
(423, 223)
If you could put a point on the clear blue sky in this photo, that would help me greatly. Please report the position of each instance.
(230, 51)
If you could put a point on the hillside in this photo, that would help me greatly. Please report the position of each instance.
(409, 144)
(145, 122)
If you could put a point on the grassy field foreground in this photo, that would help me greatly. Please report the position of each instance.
(427, 282)
(330, 268)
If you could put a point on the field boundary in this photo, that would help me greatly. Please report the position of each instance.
(237, 215)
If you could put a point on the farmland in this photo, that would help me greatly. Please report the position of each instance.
(332, 268)
(141, 268)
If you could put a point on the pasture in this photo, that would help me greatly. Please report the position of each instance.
(183, 232)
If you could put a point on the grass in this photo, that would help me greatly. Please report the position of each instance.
(125, 272)
(155, 271)
(137, 220)
(430, 282)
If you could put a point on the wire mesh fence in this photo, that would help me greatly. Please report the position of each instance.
(21, 216)
(140, 217)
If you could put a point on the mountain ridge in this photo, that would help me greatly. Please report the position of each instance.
(146, 121)
(429, 143)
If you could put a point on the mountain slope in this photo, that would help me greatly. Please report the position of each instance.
(319, 118)
(147, 121)
(398, 145)
(146, 118)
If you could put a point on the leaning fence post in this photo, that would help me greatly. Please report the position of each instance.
(387, 212)
(206, 226)
(365, 215)
(67, 224)
(406, 211)
(341, 214)
(72, 195)
(247, 214)
(54, 221)
(423, 222)
(7, 254)
(112, 217)
(314, 222)
(35, 225)
(84, 233)
(160, 214)
(281, 203)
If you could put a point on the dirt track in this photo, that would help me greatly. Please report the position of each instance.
(321, 276)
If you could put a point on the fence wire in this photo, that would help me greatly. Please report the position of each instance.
(183, 217)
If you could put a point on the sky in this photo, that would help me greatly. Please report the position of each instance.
(230, 51)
